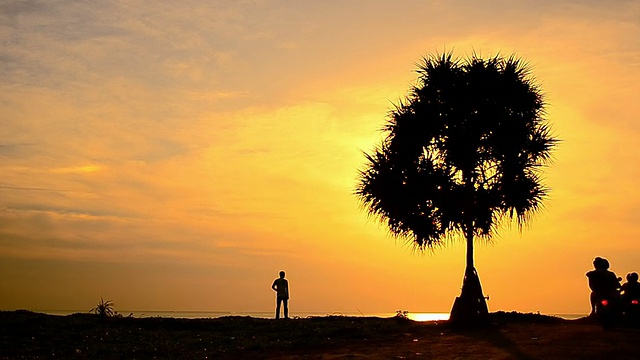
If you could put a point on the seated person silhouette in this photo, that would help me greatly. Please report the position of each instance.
(603, 283)
(631, 289)
(281, 287)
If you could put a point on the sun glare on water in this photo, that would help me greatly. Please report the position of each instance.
(428, 316)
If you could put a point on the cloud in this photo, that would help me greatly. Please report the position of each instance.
(48, 232)
(25, 188)
(16, 150)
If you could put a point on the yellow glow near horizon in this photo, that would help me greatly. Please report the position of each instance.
(428, 316)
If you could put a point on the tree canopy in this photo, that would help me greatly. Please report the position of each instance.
(463, 152)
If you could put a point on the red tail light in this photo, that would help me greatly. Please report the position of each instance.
(604, 302)
(634, 302)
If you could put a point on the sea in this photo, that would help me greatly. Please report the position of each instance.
(416, 316)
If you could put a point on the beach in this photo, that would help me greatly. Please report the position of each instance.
(29, 335)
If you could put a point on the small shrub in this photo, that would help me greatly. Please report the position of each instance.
(402, 314)
(104, 308)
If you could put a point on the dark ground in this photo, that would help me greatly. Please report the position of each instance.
(28, 335)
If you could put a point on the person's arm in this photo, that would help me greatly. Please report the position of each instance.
(273, 286)
(591, 282)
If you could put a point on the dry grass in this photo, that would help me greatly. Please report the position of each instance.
(513, 336)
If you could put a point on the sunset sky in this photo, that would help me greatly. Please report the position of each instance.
(175, 155)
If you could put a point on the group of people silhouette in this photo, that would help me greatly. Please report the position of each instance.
(605, 284)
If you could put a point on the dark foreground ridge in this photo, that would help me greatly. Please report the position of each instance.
(30, 335)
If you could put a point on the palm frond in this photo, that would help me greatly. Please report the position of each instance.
(103, 308)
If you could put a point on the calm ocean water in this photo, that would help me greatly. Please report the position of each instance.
(417, 316)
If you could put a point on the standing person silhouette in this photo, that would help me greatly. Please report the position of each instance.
(281, 287)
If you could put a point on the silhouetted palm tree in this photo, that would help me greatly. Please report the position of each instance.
(462, 153)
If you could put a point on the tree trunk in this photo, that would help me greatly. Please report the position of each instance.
(470, 264)
(470, 308)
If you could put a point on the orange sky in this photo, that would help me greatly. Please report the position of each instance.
(177, 156)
